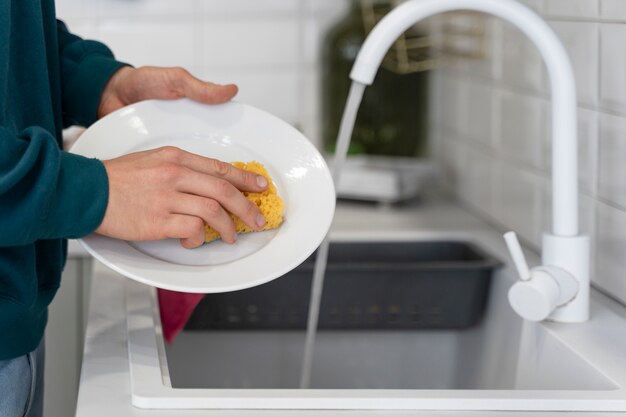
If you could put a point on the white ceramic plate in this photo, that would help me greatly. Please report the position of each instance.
(230, 132)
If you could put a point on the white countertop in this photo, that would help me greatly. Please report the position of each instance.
(105, 381)
(76, 250)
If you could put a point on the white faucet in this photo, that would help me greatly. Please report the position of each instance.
(559, 289)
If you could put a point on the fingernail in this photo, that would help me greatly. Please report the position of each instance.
(261, 181)
(260, 220)
(234, 237)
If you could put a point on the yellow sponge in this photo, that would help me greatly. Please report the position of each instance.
(269, 203)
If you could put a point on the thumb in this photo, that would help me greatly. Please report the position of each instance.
(206, 92)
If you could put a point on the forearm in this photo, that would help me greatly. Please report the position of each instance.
(86, 67)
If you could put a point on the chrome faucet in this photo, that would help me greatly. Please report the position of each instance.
(558, 290)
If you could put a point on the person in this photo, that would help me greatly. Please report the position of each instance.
(51, 79)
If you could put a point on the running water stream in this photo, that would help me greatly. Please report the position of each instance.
(343, 141)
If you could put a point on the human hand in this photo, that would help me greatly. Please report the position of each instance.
(130, 85)
(169, 193)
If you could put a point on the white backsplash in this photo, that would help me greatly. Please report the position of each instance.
(269, 48)
(490, 129)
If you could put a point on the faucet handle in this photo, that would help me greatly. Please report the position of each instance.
(540, 290)
(536, 298)
(517, 255)
(535, 295)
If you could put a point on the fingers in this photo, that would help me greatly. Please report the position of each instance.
(206, 195)
(210, 211)
(189, 229)
(202, 91)
(130, 85)
(241, 179)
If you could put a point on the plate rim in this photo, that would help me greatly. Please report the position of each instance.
(328, 192)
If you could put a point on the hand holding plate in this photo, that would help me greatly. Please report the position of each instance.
(131, 85)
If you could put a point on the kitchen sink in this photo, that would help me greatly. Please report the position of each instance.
(499, 362)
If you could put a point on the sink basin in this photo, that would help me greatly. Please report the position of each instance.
(500, 363)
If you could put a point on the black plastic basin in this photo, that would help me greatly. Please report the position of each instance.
(368, 285)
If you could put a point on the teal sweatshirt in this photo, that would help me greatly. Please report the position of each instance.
(49, 79)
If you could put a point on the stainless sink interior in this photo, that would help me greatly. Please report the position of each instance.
(444, 360)
(492, 351)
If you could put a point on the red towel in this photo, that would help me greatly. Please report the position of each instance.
(176, 308)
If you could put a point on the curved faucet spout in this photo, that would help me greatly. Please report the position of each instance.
(564, 145)
(564, 248)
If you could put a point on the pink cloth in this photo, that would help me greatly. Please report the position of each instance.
(176, 308)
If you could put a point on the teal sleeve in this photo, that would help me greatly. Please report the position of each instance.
(46, 193)
(86, 67)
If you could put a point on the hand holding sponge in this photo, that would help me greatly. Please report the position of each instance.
(176, 307)
(269, 203)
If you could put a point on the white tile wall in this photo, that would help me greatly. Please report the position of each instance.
(269, 48)
(132, 43)
(265, 43)
(488, 67)
(522, 67)
(613, 9)
(249, 8)
(310, 109)
(610, 272)
(572, 8)
(477, 187)
(454, 103)
(518, 154)
(522, 132)
(452, 153)
(612, 157)
(518, 199)
(536, 5)
(613, 67)
(480, 111)
(146, 9)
